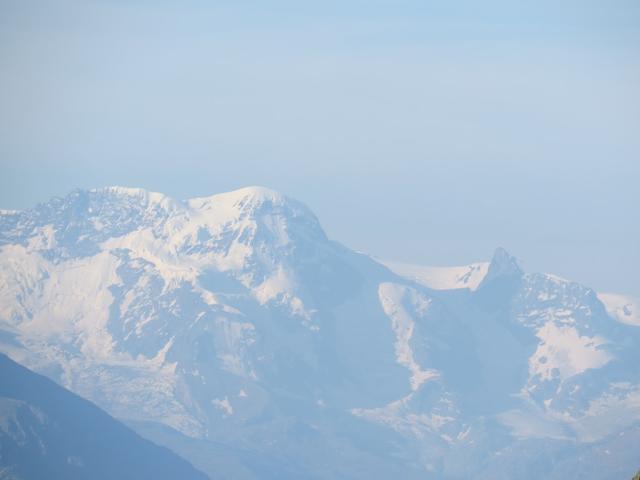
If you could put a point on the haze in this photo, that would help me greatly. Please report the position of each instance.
(417, 131)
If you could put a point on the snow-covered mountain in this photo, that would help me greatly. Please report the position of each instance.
(231, 329)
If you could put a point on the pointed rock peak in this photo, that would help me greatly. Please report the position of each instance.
(504, 262)
(502, 265)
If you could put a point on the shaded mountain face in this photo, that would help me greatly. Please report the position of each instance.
(232, 329)
(48, 432)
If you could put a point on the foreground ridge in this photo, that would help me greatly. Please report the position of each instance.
(48, 432)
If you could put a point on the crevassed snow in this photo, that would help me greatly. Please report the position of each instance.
(160, 252)
(59, 301)
(21, 275)
(624, 308)
(441, 278)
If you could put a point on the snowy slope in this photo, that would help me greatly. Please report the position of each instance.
(232, 320)
(441, 278)
(624, 308)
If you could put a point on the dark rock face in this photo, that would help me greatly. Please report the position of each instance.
(48, 432)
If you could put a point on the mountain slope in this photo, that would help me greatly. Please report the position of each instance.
(48, 432)
(442, 278)
(232, 325)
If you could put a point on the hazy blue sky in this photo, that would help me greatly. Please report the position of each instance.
(417, 131)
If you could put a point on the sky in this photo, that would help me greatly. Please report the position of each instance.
(417, 131)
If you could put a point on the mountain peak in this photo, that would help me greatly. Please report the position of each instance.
(122, 191)
(251, 197)
(144, 197)
(256, 192)
(502, 265)
(246, 196)
(250, 200)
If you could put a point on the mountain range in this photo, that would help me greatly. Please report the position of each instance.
(233, 331)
